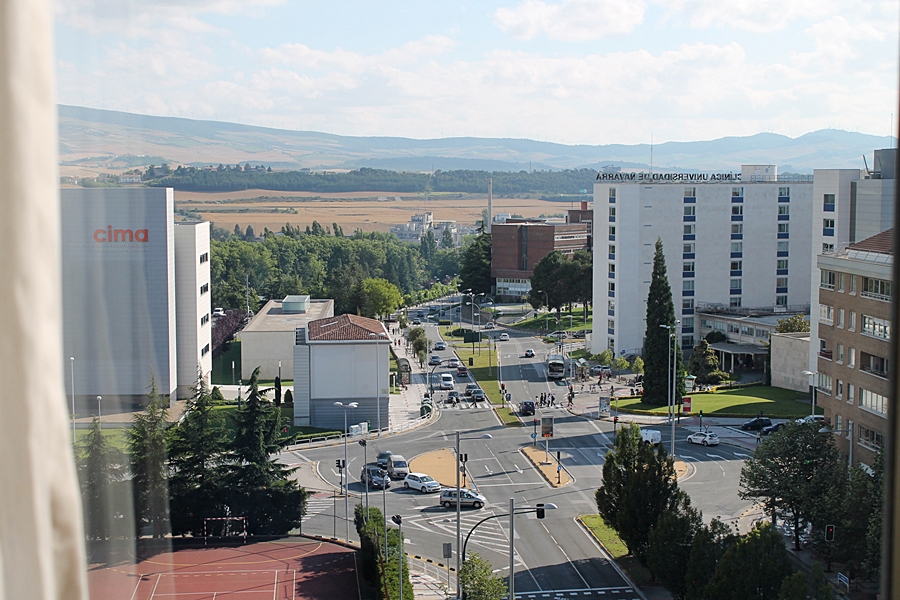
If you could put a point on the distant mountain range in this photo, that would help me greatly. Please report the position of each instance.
(104, 139)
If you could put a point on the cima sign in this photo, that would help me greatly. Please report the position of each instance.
(667, 177)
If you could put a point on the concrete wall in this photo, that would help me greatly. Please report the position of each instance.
(790, 357)
(264, 349)
(193, 306)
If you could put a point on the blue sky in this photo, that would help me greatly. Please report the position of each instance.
(570, 71)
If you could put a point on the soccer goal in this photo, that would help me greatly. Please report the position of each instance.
(224, 527)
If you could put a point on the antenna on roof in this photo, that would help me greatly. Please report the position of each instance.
(867, 165)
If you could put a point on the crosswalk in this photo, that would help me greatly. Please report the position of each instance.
(490, 535)
(625, 593)
(317, 504)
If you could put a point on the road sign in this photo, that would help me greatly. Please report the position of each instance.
(448, 550)
(558, 468)
(546, 427)
(533, 435)
(686, 404)
(845, 580)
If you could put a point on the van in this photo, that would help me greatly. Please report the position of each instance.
(397, 467)
(446, 381)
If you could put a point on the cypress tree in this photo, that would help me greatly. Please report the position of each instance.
(660, 311)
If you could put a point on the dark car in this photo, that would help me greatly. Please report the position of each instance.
(470, 388)
(756, 424)
(772, 428)
(526, 408)
(416, 322)
(453, 397)
(478, 396)
(376, 476)
(462, 371)
(580, 334)
(529, 353)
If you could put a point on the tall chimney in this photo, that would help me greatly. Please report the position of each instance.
(490, 216)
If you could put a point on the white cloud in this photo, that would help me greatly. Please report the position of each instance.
(761, 16)
(573, 20)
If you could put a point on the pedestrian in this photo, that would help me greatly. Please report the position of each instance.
(758, 437)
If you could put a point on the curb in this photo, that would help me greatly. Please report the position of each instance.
(550, 483)
(609, 557)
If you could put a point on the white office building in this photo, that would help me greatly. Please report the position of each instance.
(733, 239)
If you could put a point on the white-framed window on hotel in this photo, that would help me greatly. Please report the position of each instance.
(781, 300)
(689, 248)
(826, 279)
(737, 265)
(735, 284)
(737, 228)
(687, 322)
(880, 328)
(872, 401)
(610, 324)
(687, 303)
(737, 246)
(734, 301)
(784, 192)
(784, 228)
(781, 282)
(827, 248)
(688, 267)
(690, 210)
(612, 193)
(204, 257)
(687, 285)
(840, 318)
(827, 223)
(737, 192)
(204, 288)
(612, 286)
(612, 249)
(690, 229)
(782, 263)
(611, 305)
(826, 314)
(784, 209)
(204, 319)
(783, 246)
(737, 210)
(690, 192)
(612, 211)
(612, 230)
(840, 353)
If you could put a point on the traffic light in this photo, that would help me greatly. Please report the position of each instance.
(339, 463)
(829, 533)
(540, 511)
(701, 414)
(615, 419)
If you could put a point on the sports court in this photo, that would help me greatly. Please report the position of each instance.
(279, 570)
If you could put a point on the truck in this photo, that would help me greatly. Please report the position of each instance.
(651, 437)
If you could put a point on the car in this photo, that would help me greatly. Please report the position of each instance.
(601, 370)
(462, 371)
(704, 438)
(489, 325)
(812, 418)
(772, 428)
(440, 346)
(416, 322)
(453, 363)
(466, 498)
(559, 334)
(453, 396)
(434, 360)
(397, 467)
(478, 396)
(504, 337)
(756, 424)
(446, 381)
(526, 408)
(470, 388)
(384, 458)
(651, 437)
(422, 482)
(375, 476)
(529, 353)
(580, 334)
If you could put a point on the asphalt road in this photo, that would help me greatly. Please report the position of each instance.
(554, 555)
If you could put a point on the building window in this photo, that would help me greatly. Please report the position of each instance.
(840, 316)
(840, 282)
(687, 285)
(852, 284)
(784, 192)
(611, 305)
(829, 202)
(735, 284)
(687, 304)
(737, 228)
(762, 333)
(612, 287)
(612, 249)
(689, 248)
(737, 192)
(781, 282)
(826, 314)
(690, 192)
(204, 288)
(204, 319)
(839, 389)
(719, 325)
(880, 328)
(205, 350)
(687, 341)
(746, 330)
(737, 209)
(204, 257)
(690, 210)
(851, 357)
(850, 393)
(828, 223)
(612, 211)
(784, 228)
(827, 248)
(780, 300)
(870, 438)
(784, 209)
(826, 279)
(612, 194)
(840, 353)
(737, 265)
(687, 322)
(824, 384)
(782, 263)
(688, 267)
(851, 322)
(737, 246)
(872, 401)
(611, 343)
(838, 423)
(734, 301)
(612, 231)
(878, 289)
(733, 328)
(783, 247)
(689, 229)
(611, 325)
(612, 267)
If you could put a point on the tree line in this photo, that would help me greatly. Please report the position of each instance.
(226, 179)
(171, 478)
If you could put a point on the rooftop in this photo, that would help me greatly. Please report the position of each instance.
(272, 318)
(882, 243)
(344, 328)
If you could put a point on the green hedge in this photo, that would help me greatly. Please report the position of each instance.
(381, 572)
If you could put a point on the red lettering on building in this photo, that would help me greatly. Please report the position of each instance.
(121, 235)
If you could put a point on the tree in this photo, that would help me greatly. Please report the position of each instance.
(100, 467)
(794, 324)
(604, 358)
(549, 281)
(289, 396)
(707, 549)
(149, 466)
(237, 230)
(789, 470)
(581, 281)
(258, 487)
(447, 241)
(250, 235)
(637, 367)
(657, 346)
(197, 447)
(416, 337)
(670, 540)
(872, 562)
(620, 364)
(704, 364)
(478, 581)
(753, 567)
(475, 265)
(382, 297)
(638, 486)
(428, 245)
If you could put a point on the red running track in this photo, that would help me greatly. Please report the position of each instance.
(307, 570)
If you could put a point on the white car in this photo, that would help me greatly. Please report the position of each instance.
(703, 438)
(489, 326)
(651, 437)
(453, 363)
(422, 482)
(440, 346)
(504, 337)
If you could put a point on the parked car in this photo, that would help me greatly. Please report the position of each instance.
(526, 408)
(756, 424)
(504, 337)
(376, 477)
(704, 438)
(470, 388)
(422, 482)
(489, 325)
(580, 334)
(466, 498)
(440, 346)
(601, 370)
(383, 458)
(453, 363)
(478, 396)
(529, 353)
(772, 428)
(397, 467)
(434, 360)
(462, 371)
(810, 418)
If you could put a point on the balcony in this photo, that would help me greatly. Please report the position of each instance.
(826, 286)
(874, 371)
(826, 354)
(874, 296)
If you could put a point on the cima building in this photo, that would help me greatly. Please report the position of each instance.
(136, 297)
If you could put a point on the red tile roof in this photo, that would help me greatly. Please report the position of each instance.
(882, 243)
(344, 328)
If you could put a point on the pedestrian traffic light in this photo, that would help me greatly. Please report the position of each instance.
(337, 464)
(540, 511)
(829, 533)
(616, 419)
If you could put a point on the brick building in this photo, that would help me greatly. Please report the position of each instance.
(854, 344)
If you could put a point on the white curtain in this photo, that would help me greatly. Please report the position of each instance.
(41, 540)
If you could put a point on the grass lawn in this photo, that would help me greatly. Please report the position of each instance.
(619, 552)
(742, 402)
(287, 412)
(221, 367)
(541, 322)
(116, 436)
(484, 370)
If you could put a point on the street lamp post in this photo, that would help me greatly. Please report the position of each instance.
(99, 415)
(399, 521)
(345, 481)
(812, 390)
(670, 382)
(365, 468)
(460, 467)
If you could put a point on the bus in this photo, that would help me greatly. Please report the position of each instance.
(556, 366)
